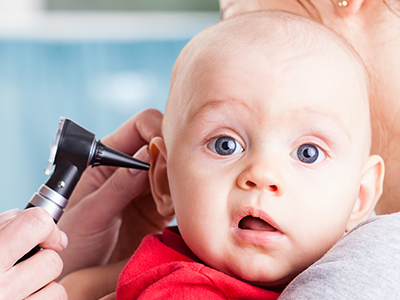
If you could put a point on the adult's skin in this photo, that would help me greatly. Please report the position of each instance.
(372, 27)
(20, 232)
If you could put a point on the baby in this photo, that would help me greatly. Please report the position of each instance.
(264, 161)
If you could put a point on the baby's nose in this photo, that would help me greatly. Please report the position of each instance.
(262, 177)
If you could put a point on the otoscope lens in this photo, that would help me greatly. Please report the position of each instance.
(54, 147)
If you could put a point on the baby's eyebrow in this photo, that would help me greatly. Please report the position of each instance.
(304, 112)
(217, 104)
(327, 115)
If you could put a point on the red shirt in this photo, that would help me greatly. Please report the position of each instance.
(163, 267)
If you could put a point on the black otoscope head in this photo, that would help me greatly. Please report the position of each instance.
(72, 149)
(75, 148)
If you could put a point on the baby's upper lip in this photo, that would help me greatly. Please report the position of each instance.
(255, 213)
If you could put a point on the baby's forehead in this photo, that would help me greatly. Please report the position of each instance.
(230, 83)
(210, 59)
(275, 37)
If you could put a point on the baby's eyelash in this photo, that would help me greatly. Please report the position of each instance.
(309, 153)
(209, 140)
(319, 147)
(224, 145)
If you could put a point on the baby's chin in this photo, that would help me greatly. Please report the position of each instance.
(273, 282)
(275, 286)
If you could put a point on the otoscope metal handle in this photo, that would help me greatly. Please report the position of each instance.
(53, 203)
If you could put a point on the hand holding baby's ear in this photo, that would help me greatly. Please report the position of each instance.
(370, 190)
(158, 177)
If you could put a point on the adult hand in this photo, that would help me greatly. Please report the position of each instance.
(105, 197)
(231, 8)
(30, 279)
(109, 297)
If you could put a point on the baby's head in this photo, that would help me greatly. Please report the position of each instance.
(265, 158)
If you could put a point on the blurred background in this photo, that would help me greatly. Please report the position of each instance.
(97, 62)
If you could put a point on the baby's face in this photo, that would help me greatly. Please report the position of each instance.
(265, 168)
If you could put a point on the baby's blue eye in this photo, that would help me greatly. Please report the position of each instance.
(309, 154)
(225, 145)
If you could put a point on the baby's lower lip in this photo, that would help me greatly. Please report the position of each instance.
(255, 227)
(258, 237)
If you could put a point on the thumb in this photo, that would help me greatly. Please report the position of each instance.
(119, 189)
(7, 215)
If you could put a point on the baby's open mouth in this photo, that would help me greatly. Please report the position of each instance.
(254, 226)
(253, 223)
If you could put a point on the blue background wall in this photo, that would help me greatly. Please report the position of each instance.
(97, 84)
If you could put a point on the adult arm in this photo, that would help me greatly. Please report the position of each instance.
(93, 283)
(364, 264)
(32, 278)
(111, 209)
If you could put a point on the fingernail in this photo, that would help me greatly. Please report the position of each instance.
(64, 239)
(9, 214)
(143, 155)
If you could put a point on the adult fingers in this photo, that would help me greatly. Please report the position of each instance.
(29, 228)
(121, 187)
(136, 131)
(52, 291)
(7, 215)
(128, 138)
(94, 222)
(109, 296)
(31, 275)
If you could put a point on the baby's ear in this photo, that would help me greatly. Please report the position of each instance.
(370, 190)
(158, 177)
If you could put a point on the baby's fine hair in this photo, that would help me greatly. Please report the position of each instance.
(293, 35)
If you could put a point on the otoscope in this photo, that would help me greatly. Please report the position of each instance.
(74, 148)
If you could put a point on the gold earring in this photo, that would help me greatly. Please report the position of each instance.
(342, 3)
